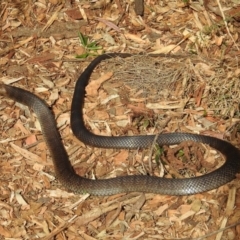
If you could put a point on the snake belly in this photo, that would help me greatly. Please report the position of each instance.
(137, 183)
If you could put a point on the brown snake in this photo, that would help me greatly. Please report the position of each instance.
(139, 183)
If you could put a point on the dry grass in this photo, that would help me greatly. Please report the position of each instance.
(165, 78)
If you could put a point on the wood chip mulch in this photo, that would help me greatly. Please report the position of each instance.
(199, 92)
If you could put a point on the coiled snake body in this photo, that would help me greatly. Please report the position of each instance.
(140, 183)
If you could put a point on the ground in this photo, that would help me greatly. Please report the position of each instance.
(194, 90)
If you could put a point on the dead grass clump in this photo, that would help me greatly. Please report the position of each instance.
(157, 79)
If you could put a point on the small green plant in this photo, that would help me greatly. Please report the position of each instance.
(181, 155)
(158, 153)
(90, 47)
(146, 123)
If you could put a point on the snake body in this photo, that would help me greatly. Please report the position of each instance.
(138, 183)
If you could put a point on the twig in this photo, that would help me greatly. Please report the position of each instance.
(225, 22)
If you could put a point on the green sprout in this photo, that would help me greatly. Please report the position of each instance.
(181, 155)
(90, 47)
(159, 152)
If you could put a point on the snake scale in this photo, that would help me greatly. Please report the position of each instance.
(137, 183)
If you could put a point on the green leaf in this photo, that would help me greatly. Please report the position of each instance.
(159, 153)
(83, 39)
(92, 44)
(146, 123)
(180, 153)
(84, 55)
(95, 48)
